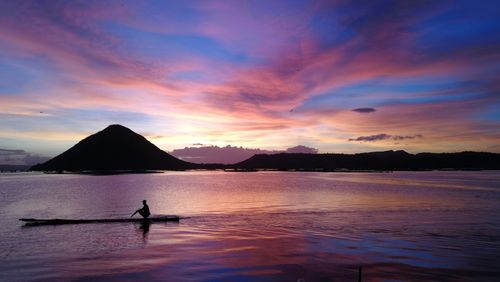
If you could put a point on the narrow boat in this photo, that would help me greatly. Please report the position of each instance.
(59, 221)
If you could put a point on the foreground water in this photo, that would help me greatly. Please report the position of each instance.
(255, 226)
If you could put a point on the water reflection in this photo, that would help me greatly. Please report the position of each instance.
(144, 229)
(271, 226)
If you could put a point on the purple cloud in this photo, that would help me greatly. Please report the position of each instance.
(216, 154)
(230, 154)
(383, 136)
(364, 110)
(302, 149)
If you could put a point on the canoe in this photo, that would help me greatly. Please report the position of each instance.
(58, 221)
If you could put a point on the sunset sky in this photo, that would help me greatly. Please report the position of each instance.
(339, 76)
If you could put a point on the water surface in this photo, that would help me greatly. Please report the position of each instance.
(255, 226)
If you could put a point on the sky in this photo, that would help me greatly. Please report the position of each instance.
(338, 76)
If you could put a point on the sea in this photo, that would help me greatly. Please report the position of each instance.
(254, 226)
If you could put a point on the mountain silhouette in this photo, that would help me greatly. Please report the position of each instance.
(114, 148)
(117, 148)
(386, 160)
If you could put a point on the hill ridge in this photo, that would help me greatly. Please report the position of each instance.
(382, 160)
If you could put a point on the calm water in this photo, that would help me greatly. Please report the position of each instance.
(255, 226)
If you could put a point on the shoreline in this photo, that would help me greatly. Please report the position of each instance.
(118, 172)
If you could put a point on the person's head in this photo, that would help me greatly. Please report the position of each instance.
(143, 202)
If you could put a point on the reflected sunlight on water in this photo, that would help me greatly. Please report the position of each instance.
(255, 226)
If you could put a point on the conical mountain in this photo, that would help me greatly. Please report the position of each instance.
(114, 148)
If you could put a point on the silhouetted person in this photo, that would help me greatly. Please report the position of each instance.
(144, 211)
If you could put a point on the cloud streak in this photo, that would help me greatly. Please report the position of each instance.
(364, 110)
(383, 136)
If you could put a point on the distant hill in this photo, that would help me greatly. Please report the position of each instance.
(387, 160)
(114, 148)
